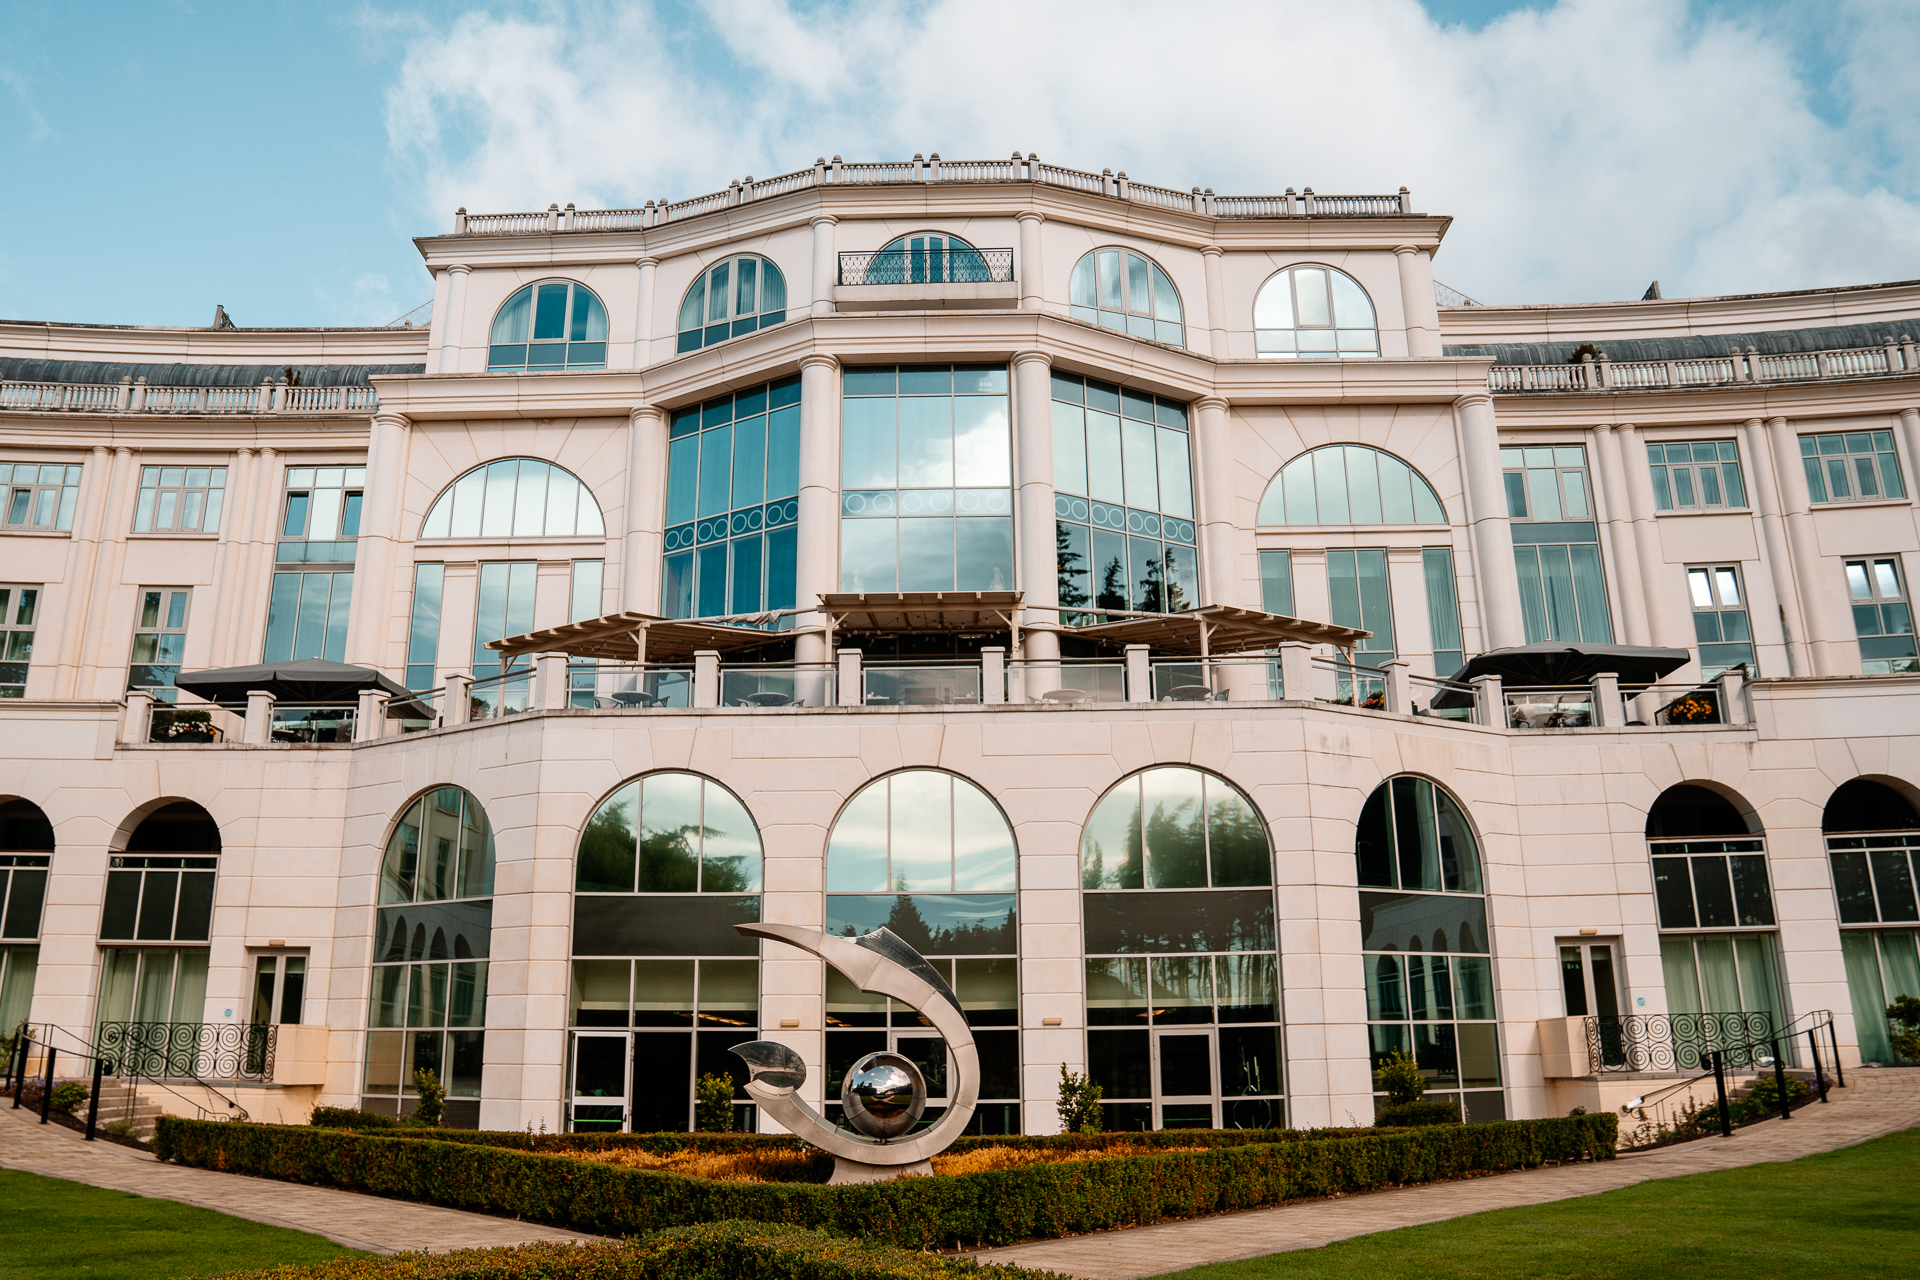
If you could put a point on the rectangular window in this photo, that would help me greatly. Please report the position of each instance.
(307, 616)
(423, 633)
(1721, 624)
(733, 507)
(180, 500)
(156, 985)
(320, 514)
(504, 608)
(1276, 583)
(1882, 616)
(1697, 475)
(1856, 466)
(23, 892)
(18, 965)
(1547, 483)
(1357, 585)
(38, 495)
(1443, 611)
(1874, 877)
(158, 898)
(584, 603)
(19, 606)
(1712, 884)
(1556, 552)
(159, 639)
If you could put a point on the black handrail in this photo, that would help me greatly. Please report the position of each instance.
(958, 264)
(106, 1064)
(1717, 1065)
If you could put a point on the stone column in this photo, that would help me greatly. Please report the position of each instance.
(1494, 580)
(1829, 650)
(1213, 468)
(643, 312)
(1036, 565)
(645, 540)
(1032, 268)
(1216, 300)
(1910, 428)
(1417, 303)
(452, 324)
(1611, 506)
(817, 572)
(1664, 625)
(1773, 531)
(826, 264)
(106, 575)
(259, 730)
(229, 563)
(82, 566)
(370, 626)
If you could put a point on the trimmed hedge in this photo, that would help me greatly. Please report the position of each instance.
(712, 1251)
(999, 1207)
(351, 1118)
(1419, 1112)
(668, 1143)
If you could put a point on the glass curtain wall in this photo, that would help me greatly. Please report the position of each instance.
(1123, 500)
(1425, 943)
(1183, 965)
(432, 937)
(931, 858)
(1556, 544)
(926, 475)
(1873, 843)
(663, 986)
(733, 506)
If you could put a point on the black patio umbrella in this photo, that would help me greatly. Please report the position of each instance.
(309, 680)
(1557, 663)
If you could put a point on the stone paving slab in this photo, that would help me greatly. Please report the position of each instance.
(1876, 1102)
(372, 1223)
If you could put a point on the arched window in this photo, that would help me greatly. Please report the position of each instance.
(733, 297)
(927, 257)
(1314, 313)
(555, 324)
(1717, 923)
(159, 891)
(515, 498)
(1873, 840)
(663, 985)
(1183, 986)
(1124, 290)
(1349, 484)
(26, 853)
(432, 936)
(929, 856)
(1423, 937)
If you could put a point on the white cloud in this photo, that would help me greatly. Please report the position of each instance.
(1582, 150)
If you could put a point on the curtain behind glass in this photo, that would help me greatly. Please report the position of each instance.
(1869, 998)
(1683, 983)
(16, 989)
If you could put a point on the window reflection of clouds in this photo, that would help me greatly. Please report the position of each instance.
(1194, 830)
(691, 835)
(920, 831)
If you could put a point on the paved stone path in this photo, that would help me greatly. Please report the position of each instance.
(1876, 1102)
(358, 1221)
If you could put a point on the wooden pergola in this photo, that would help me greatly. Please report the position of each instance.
(637, 637)
(923, 613)
(1215, 629)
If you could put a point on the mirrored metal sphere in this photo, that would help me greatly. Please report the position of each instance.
(884, 1095)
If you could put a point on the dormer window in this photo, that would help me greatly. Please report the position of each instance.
(552, 325)
(730, 299)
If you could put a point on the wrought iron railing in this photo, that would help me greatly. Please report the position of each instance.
(959, 264)
(1676, 1041)
(223, 1051)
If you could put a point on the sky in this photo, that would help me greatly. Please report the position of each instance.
(161, 157)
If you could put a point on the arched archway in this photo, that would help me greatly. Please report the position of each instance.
(159, 901)
(26, 855)
(1872, 831)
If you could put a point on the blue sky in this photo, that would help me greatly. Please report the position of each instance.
(278, 158)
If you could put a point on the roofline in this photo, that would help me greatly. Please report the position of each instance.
(180, 328)
(1485, 307)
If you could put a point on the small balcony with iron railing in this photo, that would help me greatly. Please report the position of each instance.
(952, 276)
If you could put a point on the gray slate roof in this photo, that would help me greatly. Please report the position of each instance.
(1778, 342)
(14, 369)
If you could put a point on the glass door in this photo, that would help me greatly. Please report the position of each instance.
(1593, 991)
(1183, 1078)
(599, 1095)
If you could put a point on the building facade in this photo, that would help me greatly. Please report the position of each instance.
(1224, 885)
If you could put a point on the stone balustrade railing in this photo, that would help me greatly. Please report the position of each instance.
(131, 396)
(1602, 374)
(919, 170)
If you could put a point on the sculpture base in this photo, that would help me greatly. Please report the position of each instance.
(847, 1171)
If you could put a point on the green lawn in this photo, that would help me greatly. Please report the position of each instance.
(52, 1228)
(1850, 1213)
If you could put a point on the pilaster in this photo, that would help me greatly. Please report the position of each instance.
(1037, 569)
(817, 571)
(645, 534)
(1032, 266)
(369, 625)
(1213, 466)
(1497, 586)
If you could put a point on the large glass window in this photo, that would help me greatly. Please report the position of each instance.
(307, 616)
(19, 606)
(1443, 611)
(733, 506)
(159, 896)
(735, 297)
(320, 515)
(1424, 939)
(1124, 290)
(1859, 466)
(159, 640)
(555, 324)
(1123, 481)
(930, 857)
(1882, 615)
(1314, 313)
(1349, 484)
(926, 476)
(1183, 966)
(1697, 475)
(515, 498)
(663, 985)
(432, 937)
(1556, 544)
(1873, 843)
(26, 853)
(38, 495)
(1720, 620)
(180, 500)
(502, 608)
(1359, 597)
(423, 624)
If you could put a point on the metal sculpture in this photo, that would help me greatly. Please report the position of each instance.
(884, 1094)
